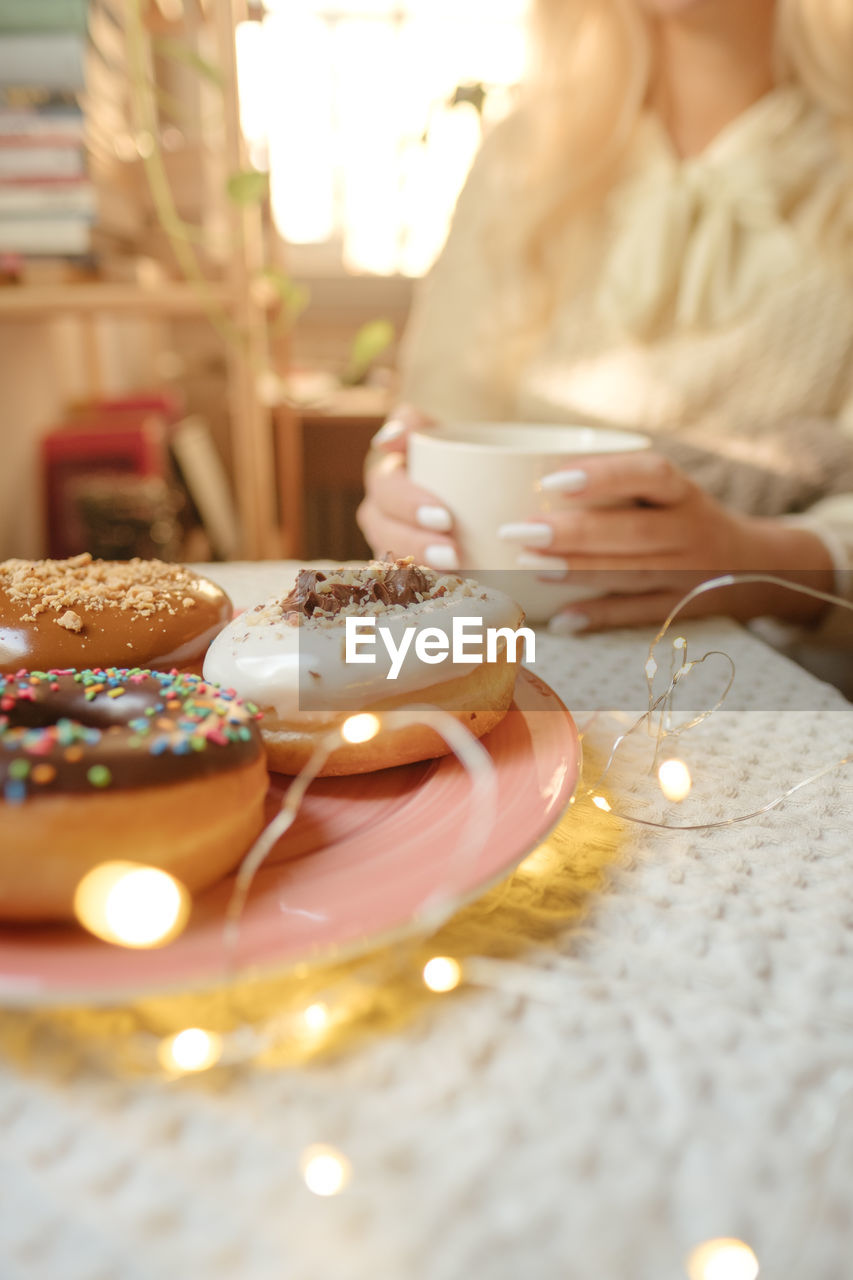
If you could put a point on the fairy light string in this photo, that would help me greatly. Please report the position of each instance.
(363, 728)
(318, 1006)
(661, 705)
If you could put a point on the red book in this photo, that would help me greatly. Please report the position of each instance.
(132, 443)
(167, 404)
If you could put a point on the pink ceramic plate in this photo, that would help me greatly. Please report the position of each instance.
(364, 857)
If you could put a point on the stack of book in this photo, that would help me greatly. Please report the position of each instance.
(63, 87)
(47, 202)
(132, 476)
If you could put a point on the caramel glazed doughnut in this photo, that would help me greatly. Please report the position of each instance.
(87, 613)
(288, 656)
(161, 769)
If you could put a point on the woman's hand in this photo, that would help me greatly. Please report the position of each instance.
(396, 517)
(643, 534)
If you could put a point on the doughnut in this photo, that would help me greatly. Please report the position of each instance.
(288, 655)
(86, 613)
(144, 766)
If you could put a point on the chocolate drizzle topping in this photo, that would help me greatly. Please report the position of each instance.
(318, 594)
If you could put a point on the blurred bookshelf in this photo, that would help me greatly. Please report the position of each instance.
(84, 240)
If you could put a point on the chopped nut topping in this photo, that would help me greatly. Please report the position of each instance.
(70, 620)
(139, 587)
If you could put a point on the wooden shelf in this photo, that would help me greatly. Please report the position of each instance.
(175, 299)
(207, 32)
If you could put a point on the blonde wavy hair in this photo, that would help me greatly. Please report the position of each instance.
(591, 73)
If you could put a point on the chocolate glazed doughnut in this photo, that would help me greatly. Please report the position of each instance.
(101, 613)
(161, 769)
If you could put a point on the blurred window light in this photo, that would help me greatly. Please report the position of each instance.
(368, 114)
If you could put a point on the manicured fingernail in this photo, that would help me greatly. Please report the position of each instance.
(532, 535)
(391, 430)
(438, 519)
(565, 481)
(549, 567)
(567, 624)
(441, 556)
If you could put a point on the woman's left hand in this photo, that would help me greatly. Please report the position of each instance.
(643, 534)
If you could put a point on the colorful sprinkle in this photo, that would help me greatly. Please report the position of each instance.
(190, 716)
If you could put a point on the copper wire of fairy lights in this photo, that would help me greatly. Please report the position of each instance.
(661, 704)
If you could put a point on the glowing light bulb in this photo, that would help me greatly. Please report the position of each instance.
(601, 803)
(316, 1017)
(722, 1259)
(360, 728)
(442, 973)
(539, 861)
(679, 643)
(650, 668)
(190, 1050)
(131, 905)
(325, 1170)
(674, 778)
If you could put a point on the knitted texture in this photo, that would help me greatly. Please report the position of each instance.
(653, 1046)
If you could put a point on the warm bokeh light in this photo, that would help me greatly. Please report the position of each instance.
(131, 905)
(360, 728)
(252, 74)
(540, 861)
(325, 1170)
(601, 803)
(299, 103)
(722, 1259)
(442, 973)
(368, 115)
(316, 1017)
(190, 1050)
(674, 778)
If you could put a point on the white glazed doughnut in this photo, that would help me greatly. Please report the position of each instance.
(289, 656)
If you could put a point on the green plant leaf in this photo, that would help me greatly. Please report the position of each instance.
(294, 297)
(177, 51)
(368, 344)
(250, 186)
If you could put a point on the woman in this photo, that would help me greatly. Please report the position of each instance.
(661, 237)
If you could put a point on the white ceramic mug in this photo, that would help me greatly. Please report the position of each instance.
(489, 473)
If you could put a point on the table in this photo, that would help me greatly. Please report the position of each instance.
(655, 1047)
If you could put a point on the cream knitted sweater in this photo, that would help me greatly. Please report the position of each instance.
(715, 310)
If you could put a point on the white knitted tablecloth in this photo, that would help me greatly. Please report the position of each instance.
(655, 1048)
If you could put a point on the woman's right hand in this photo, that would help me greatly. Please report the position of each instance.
(396, 517)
